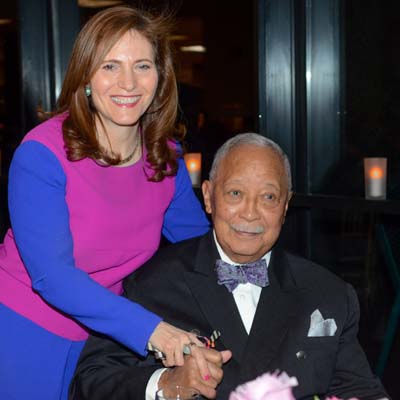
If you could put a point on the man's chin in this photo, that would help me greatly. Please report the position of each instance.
(245, 255)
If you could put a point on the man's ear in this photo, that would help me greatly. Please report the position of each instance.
(206, 187)
(287, 202)
(286, 206)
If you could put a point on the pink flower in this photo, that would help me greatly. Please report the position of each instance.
(266, 387)
(337, 398)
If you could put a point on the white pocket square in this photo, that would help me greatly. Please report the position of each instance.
(320, 326)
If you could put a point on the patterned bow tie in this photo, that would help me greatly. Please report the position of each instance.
(231, 275)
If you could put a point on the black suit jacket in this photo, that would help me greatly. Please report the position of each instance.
(179, 283)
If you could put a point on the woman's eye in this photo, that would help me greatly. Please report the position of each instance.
(144, 66)
(109, 67)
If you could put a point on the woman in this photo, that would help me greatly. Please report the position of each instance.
(90, 191)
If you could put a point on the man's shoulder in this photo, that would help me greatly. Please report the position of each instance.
(308, 273)
(172, 257)
(179, 251)
(317, 286)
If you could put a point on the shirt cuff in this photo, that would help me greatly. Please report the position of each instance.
(152, 384)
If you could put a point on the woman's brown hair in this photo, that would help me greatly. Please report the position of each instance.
(158, 124)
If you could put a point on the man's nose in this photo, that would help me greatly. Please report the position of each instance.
(250, 209)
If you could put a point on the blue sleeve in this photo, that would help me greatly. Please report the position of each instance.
(184, 217)
(40, 222)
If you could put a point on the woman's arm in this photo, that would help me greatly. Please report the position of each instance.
(185, 217)
(40, 222)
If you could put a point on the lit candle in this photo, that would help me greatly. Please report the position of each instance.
(375, 177)
(193, 165)
(375, 183)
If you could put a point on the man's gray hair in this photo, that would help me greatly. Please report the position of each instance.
(250, 139)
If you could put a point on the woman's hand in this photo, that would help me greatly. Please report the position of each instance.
(171, 341)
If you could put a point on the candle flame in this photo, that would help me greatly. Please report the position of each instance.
(376, 173)
(193, 162)
(193, 166)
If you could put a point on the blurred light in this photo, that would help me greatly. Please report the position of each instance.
(194, 49)
(178, 37)
(376, 173)
(5, 21)
(98, 3)
(308, 76)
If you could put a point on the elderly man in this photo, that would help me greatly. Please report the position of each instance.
(275, 311)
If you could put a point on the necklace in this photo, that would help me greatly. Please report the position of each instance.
(129, 158)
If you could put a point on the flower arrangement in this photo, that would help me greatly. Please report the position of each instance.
(334, 398)
(266, 387)
(276, 386)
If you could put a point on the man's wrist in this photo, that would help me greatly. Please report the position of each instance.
(163, 378)
(152, 384)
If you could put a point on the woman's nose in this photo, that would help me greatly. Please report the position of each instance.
(127, 80)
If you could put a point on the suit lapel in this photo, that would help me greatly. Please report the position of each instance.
(277, 306)
(215, 302)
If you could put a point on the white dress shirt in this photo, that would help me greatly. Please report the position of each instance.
(246, 297)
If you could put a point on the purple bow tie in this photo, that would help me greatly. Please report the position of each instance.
(231, 275)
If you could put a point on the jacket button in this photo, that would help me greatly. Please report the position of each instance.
(301, 355)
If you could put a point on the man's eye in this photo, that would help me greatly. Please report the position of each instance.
(235, 193)
(271, 199)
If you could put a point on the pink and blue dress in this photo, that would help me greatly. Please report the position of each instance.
(78, 229)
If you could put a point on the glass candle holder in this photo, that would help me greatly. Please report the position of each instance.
(375, 178)
(193, 164)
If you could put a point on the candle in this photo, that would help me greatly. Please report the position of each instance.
(193, 165)
(375, 177)
(375, 183)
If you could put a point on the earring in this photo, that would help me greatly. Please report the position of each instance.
(88, 90)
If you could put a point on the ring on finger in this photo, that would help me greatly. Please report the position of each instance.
(186, 348)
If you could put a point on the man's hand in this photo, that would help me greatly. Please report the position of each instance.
(189, 374)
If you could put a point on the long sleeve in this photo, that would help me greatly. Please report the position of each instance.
(40, 222)
(109, 371)
(184, 217)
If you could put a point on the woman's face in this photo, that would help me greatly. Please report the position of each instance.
(125, 84)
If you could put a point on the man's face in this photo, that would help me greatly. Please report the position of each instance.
(248, 200)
